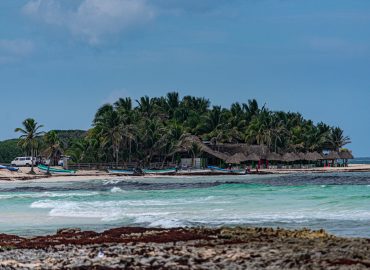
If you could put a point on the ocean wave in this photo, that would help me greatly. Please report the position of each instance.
(47, 195)
(117, 190)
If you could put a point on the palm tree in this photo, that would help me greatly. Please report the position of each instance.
(29, 133)
(107, 121)
(52, 142)
(338, 139)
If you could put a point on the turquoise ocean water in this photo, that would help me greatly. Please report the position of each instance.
(339, 203)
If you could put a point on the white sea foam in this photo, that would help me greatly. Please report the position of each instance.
(117, 190)
(36, 195)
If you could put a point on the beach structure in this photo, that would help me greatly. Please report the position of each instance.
(345, 155)
(237, 159)
(238, 153)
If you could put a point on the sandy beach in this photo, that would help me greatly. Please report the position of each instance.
(185, 248)
(23, 175)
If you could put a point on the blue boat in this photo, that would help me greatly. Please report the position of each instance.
(161, 172)
(122, 172)
(221, 170)
(9, 168)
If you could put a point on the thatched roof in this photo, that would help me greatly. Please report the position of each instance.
(253, 157)
(236, 159)
(290, 157)
(274, 157)
(317, 155)
(312, 156)
(331, 156)
(302, 156)
(187, 143)
(346, 154)
(232, 149)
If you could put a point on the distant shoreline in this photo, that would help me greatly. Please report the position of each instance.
(7, 176)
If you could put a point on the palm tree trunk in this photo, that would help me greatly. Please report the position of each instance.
(48, 171)
(32, 154)
(129, 152)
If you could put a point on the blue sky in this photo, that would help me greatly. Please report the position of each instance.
(61, 60)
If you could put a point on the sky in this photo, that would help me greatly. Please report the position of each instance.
(62, 59)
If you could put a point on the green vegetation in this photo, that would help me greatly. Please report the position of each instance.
(28, 139)
(153, 129)
(9, 149)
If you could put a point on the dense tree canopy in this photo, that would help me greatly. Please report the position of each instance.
(153, 127)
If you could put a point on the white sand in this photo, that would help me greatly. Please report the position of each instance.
(22, 175)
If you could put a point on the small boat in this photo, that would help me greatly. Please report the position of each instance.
(159, 172)
(53, 170)
(226, 171)
(9, 168)
(122, 172)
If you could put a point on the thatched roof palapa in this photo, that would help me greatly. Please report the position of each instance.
(274, 157)
(346, 155)
(236, 159)
(290, 157)
(253, 157)
(302, 156)
(331, 156)
(187, 143)
(231, 149)
(312, 156)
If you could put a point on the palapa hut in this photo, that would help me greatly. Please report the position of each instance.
(345, 155)
(237, 159)
(317, 155)
(290, 157)
(272, 156)
(253, 157)
(313, 156)
(331, 156)
(187, 144)
(231, 149)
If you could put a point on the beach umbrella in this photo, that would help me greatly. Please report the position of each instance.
(236, 159)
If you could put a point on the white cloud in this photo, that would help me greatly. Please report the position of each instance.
(92, 19)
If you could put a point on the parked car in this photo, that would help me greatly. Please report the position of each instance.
(23, 161)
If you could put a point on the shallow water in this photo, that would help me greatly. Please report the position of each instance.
(339, 203)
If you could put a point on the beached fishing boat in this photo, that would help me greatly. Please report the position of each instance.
(9, 168)
(226, 171)
(161, 172)
(122, 172)
(54, 170)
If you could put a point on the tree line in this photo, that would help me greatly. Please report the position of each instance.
(151, 129)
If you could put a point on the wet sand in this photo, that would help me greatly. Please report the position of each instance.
(185, 248)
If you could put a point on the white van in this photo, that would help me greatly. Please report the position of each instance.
(23, 161)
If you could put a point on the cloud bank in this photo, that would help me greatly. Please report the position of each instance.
(95, 19)
(91, 19)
